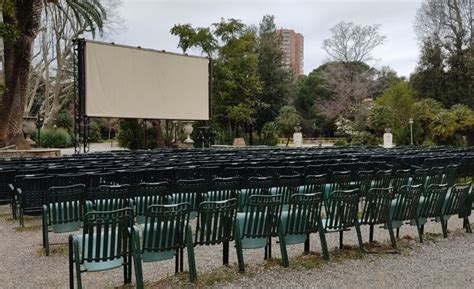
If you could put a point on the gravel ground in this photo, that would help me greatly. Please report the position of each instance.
(441, 264)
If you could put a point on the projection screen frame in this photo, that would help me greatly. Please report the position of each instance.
(81, 119)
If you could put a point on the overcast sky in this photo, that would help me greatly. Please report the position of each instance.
(148, 22)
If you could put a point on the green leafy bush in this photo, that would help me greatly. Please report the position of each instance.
(95, 132)
(269, 134)
(55, 138)
(341, 142)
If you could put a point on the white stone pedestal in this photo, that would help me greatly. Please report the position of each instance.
(388, 140)
(298, 139)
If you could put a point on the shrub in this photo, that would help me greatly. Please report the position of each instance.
(269, 134)
(55, 138)
(95, 132)
(341, 142)
(65, 120)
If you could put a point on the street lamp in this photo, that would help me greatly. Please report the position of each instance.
(410, 121)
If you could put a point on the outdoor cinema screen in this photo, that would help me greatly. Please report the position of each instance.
(129, 82)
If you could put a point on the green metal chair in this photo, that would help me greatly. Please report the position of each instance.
(450, 174)
(457, 203)
(365, 180)
(341, 214)
(404, 206)
(435, 176)
(150, 194)
(63, 212)
(400, 178)
(419, 177)
(313, 184)
(431, 206)
(166, 231)
(223, 189)
(254, 186)
(189, 191)
(110, 198)
(255, 227)
(381, 179)
(215, 225)
(376, 210)
(303, 218)
(286, 186)
(104, 244)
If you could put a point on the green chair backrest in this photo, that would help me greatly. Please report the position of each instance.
(304, 213)
(382, 179)
(341, 209)
(223, 189)
(262, 216)
(435, 176)
(376, 206)
(313, 184)
(457, 201)
(189, 191)
(419, 177)
(111, 197)
(66, 204)
(106, 235)
(406, 202)
(364, 180)
(450, 174)
(165, 227)
(215, 222)
(434, 198)
(150, 194)
(286, 186)
(400, 178)
(341, 180)
(257, 186)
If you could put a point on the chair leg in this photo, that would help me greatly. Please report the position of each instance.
(341, 239)
(137, 262)
(306, 245)
(176, 263)
(238, 248)
(225, 253)
(393, 240)
(71, 264)
(284, 253)
(181, 258)
(468, 225)
(444, 227)
(359, 238)
(420, 230)
(324, 245)
(45, 234)
(78, 265)
(191, 258)
(371, 233)
(398, 233)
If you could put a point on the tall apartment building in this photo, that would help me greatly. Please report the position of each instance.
(292, 44)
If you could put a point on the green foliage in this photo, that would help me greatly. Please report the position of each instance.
(269, 135)
(95, 134)
(65, 120)
(55, 138)
(287, 119)
(364, 138)
(398, 98)
(341, 142)
(132, 135)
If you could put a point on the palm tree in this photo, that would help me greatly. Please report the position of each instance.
(23, 19)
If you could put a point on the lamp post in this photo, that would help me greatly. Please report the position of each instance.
(39, 124)
(410, 121)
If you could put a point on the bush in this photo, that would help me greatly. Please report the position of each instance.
(95, 132)
(269, 134)
(65, 120)
(364, 138)
(55, 138)
(341, 142)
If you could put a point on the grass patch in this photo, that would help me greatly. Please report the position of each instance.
(54, 250)
(312, 260)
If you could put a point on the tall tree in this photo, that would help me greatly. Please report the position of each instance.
(24, 17)
(351, 42)
(275, 78)
(447, 24)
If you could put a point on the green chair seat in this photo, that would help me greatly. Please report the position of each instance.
(60, 211)
(152, 256)
(249, 243)
(290, 238)
(97, 266)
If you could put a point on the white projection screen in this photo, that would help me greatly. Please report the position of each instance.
(130, 82)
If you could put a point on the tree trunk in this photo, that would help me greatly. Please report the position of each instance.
(158, 133)
(17, 68)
